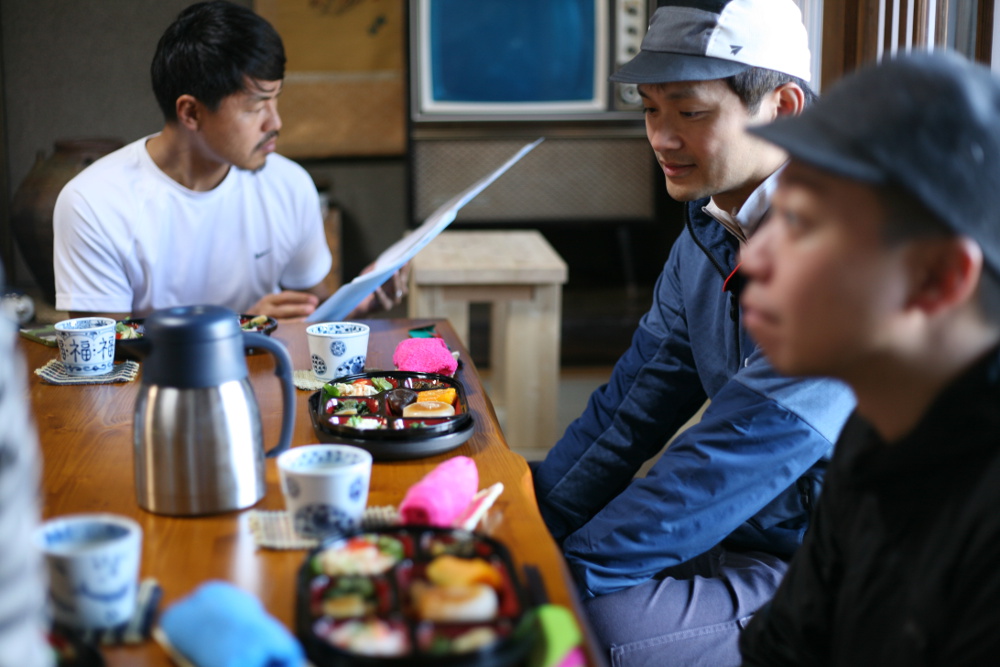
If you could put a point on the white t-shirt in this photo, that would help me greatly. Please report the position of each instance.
(130, 239)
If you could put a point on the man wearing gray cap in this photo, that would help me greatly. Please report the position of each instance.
(672, 565)
(880, 265)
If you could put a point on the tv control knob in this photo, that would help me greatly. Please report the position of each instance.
(628, 93)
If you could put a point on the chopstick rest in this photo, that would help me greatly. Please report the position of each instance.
(54, 372)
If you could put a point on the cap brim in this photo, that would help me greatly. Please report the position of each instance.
(809, 139)
(665, 67)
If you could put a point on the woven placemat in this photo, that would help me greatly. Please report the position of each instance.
(138, 628)
(54, 372)
(276, 529)
(306, 380)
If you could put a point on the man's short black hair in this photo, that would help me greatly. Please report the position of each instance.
(751, 85)
(210, 50)
(907, 219)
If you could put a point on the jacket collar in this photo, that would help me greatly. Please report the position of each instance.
(742, 223)
(953, 439)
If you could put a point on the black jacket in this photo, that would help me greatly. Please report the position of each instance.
(901, 565)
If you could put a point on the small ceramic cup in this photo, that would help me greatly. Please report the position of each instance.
(337, 349)
(87, 345)
(93, 564)
(325, 487)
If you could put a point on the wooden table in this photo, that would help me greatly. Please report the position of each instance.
(85, 433)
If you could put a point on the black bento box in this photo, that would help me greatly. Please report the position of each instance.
(391, 618)
(387, 435)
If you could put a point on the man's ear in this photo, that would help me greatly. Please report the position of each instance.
(189, 111)
(790, 99)
(946, 273)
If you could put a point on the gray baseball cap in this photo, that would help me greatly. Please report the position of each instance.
(928, 123)
(702, 40)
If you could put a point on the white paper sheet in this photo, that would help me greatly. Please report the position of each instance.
(347, 298)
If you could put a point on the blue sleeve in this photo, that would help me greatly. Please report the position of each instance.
(739, 465)
(653, 390)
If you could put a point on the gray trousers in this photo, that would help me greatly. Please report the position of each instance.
(689, 615)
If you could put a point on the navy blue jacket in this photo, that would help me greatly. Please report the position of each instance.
(747, 473)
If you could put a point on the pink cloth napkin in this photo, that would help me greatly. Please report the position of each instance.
(442, 494)
(424, 355)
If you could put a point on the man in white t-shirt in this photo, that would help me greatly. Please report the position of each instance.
(201, 212)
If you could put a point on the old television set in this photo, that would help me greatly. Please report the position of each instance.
(488, 76)
(526, 60)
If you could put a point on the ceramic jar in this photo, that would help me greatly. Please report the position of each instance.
(35, 199)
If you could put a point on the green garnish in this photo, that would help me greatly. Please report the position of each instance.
(382, 384)
(254, 323)
(391, 546)
(330, 391)
(126, 331)
(359, 422)
(348, 585)
(440, 645)
(351, 406)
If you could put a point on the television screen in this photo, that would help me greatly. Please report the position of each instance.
(500, 56)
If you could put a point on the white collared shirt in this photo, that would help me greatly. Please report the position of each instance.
(742, 223)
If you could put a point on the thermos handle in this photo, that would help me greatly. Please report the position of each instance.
(283, 369)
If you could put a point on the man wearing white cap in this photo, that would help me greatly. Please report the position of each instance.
(671, 566)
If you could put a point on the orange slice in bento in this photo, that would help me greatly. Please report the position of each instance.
(442, 395)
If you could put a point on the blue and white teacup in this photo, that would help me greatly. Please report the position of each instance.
(325, 487)
(337, 348)
(87, 345)
(93, 564)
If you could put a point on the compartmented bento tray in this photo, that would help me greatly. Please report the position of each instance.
(128, 332)
(367, 410)
(412, 595)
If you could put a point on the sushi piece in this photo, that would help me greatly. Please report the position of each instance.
(454, 604)
(452, 571)
(373, 637)
(429, 409)
(365, 554)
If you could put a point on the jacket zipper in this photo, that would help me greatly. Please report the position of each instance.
(734, 313)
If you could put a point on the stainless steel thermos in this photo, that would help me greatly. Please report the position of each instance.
(197, 434)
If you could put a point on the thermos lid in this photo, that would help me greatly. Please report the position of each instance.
(193, 346)
(192, 324)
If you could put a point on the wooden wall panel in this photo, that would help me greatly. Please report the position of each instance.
(345, 82)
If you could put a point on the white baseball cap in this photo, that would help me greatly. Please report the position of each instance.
(701, 40)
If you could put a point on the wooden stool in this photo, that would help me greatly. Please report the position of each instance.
(521, 276)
